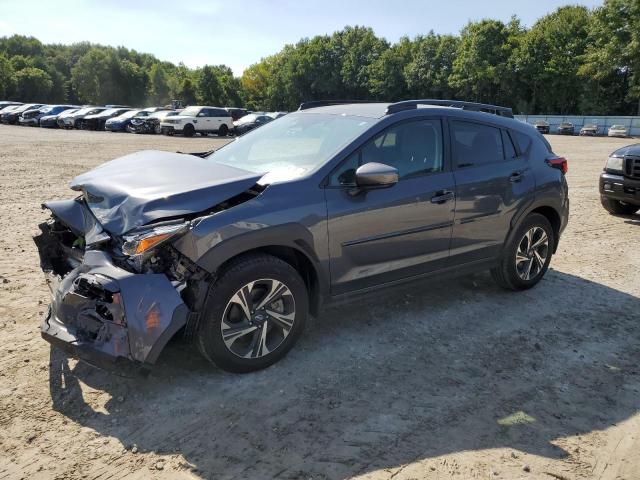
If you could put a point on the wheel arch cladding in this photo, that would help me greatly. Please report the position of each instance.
(290, 243)
(554, 219)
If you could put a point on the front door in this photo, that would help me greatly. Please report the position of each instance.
(382, 235)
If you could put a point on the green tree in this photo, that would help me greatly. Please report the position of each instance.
(7, 79)
(387, 74)
(158, 85)
(612, 57)
(188, 92)
(358, 48)
(481, 67)
(256, 81)
(427, 75)
(21, 45)
(101, 77)
(548, 57)
(32, 84)
(209, 87)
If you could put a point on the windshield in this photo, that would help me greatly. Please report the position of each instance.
(248, 118)
(618, 127)
(191, 111)
(68, 112)
(566, 125)
(165, 113)
(294, 145)
(110, 111)
(590, 125)
(29, 106)
(84, 111)
(129, 114)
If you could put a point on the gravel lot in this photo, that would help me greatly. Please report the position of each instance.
(455, 377)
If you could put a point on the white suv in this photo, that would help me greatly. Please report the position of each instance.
(196, 119)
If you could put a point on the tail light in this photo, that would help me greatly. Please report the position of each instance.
(560, 163)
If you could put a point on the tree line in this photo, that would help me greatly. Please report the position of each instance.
(571, 61)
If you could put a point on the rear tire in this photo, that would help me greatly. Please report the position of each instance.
(256, 335)
(526, 257)
(616, 207)
(223, 131)
(188, 130)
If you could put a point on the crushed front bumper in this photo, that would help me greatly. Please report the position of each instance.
(108, 316)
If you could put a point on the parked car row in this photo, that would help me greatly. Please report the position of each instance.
(588, 130)
(121, 118)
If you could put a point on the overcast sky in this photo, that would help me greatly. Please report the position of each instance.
(240, 32)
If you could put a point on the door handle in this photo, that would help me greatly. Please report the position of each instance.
(442, 196)
(516, 176)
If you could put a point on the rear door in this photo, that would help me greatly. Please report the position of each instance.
(382, 235)
(492, 183)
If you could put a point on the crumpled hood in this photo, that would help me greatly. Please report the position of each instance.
(146, 186)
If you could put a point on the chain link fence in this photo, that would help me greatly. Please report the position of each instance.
(603, 122)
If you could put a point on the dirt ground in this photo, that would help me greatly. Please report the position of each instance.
(447, 379)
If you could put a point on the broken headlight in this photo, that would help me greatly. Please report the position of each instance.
(145, 241)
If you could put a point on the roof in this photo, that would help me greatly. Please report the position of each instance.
(381, 109)
(372, 110)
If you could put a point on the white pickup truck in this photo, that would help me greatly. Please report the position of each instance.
(198, 119)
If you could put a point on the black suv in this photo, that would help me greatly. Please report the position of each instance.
(236, 247)
(620, 181)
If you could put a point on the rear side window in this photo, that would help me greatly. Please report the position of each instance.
(475, 144)
(524, 141)
(509, 150)
(546, 143)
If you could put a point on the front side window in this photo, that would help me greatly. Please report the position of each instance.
(475, 144)
(414, 148)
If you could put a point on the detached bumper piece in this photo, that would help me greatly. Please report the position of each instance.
(108, 316)
(165, 130)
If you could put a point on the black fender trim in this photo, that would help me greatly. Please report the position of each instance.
(291, 235)
(522, 214)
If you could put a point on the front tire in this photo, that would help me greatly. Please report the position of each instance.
(616, 207)
(188, 130)
(526, 257)
(254, 313)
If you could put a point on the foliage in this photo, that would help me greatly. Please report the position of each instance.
(573, 60)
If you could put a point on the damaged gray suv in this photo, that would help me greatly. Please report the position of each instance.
(235, 248)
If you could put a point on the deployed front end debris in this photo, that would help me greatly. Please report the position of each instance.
(101, 312)
(120, 289)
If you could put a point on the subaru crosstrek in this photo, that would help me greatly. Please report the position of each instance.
(235, 248)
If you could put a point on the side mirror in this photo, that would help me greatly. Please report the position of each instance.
(376, 175)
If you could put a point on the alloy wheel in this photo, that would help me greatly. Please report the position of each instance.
(258, 318)
(532, 253)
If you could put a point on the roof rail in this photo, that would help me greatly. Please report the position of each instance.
(476, 107)
(327, 103)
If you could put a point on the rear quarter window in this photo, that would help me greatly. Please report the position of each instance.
(523, 141)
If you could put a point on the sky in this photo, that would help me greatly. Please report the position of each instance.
(238, 33)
